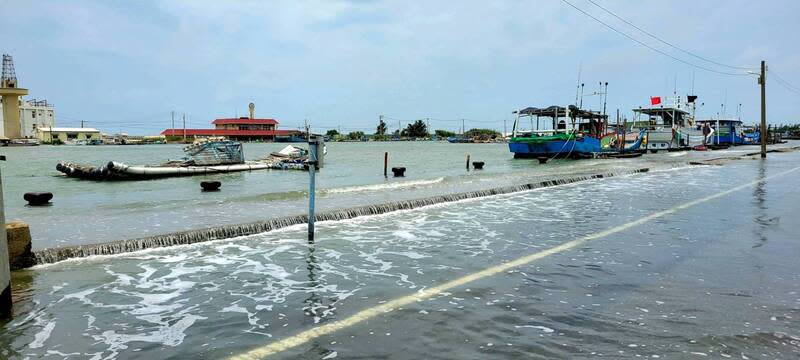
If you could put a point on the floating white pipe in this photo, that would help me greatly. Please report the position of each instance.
(118, 167)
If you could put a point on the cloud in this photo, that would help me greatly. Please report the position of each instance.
(341, 62)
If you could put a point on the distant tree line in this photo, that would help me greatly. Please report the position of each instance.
(791, 129)
(417, 129)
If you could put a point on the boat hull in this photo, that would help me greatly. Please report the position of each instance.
(576, 147)
(667, 139)
(572, 148)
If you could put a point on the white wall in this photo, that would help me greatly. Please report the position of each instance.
(45, 116)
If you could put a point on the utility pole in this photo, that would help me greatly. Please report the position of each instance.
(504, 128)
(172, 114)
(184, 127)
(463, 129)
(81, 124)
(762, 80)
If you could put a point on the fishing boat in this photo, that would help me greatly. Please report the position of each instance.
(290, 138)
(458, 140)
(726, 132)
(21, 142)
(567, 132)
(206, 156)
(668, 128)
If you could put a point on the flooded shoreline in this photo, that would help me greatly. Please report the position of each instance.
(99, 212)
(685, 284)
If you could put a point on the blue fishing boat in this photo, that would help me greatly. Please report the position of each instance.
(729, 132)
(290, 138)
(566, 132)
(458, 140)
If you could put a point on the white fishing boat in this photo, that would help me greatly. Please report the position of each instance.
(669, 127)
(208, 156)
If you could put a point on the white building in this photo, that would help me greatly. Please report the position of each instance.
(34, 114)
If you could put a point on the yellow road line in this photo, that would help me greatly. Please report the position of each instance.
(363, 315)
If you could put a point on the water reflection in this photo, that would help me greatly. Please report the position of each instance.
(314, 305)
(759, 195)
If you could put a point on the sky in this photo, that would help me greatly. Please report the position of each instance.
(124, 65)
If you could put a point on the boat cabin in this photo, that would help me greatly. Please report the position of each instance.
(558, 119)
(660, 117)
(723, 128)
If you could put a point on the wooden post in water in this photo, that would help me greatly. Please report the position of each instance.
(467, 162)
(763, 82)
(5, 265)
(385, 163)
(616, 129)
(624, 129)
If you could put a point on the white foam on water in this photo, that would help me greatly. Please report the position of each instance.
(332, 355)
(40, 337)
(251, 318)
(384, 186)
(679, 153)
(539, 327)
(169, 335)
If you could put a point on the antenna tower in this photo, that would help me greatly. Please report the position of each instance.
(9, 78)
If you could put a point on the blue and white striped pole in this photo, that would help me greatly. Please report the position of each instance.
(316, 154)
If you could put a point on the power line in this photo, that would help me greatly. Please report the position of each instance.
(650, 47)
(783, 82)
(669, 44)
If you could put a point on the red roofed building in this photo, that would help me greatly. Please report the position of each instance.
(241, 129)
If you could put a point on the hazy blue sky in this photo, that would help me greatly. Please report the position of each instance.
(125, 65)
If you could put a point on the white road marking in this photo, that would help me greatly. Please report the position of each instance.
(363, 315)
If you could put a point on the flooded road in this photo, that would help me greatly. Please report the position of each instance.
(711, 278)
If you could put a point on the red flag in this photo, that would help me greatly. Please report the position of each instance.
(655, 100)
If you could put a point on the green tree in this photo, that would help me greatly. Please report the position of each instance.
(481, 133)
(416, 129)
(356, 135)
(381, 130)
(332, 133)
(444, 133)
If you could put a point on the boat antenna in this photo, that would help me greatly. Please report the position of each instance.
(580, 106)
(725, 103)
(578, 85)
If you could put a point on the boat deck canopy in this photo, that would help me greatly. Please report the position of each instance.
(659, 111)
(560, 111)
(721, 121)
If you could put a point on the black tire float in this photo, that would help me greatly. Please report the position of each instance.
(210, 185)
(38, 198)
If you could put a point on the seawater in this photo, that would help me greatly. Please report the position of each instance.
(85, 212)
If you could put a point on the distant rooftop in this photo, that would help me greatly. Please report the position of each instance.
(227, 132)
(245, 121)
